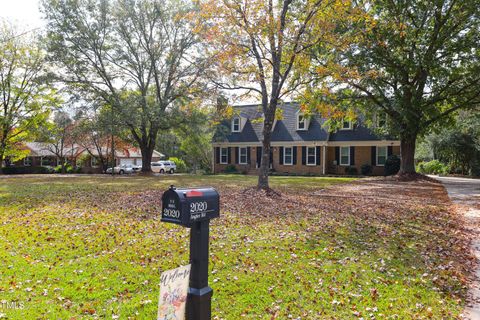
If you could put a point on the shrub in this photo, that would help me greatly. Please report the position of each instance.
(25, 170)
(181, 166)
(68, 169)
(366, 169)
(392, 165)
(351, 171)
(82, 160)
(49, 169)
(433, 167)
(230, 169)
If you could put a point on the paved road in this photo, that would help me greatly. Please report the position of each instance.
(466, 193)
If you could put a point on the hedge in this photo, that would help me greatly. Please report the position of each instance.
(26, 170)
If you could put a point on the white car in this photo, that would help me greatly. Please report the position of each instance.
(121, 169)
(164, 166)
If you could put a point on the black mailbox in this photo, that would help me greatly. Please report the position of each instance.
(193, 208)
(187, 206)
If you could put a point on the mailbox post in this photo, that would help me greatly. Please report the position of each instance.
(193, 208)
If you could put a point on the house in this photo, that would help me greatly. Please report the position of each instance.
(124, 156)
(42, 154)
(300, 144)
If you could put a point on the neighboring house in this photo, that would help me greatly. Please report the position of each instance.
(41, 154)
(300, 145)
(125, 156)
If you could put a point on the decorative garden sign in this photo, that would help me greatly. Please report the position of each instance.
(173, 293)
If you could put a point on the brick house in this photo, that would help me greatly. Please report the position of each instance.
(300, 144)
(41, 154)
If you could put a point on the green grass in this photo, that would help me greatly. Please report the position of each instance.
(73, 248)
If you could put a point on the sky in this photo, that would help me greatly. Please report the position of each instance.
(23, 13)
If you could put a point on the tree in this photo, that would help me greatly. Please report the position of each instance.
(458, 145)
(25, 96)
(196, 137)
(140, 57)
(259, 43)
(61, 137)
(93, 132)
(418, 62)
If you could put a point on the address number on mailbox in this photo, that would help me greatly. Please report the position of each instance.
(198, 206)
(171, 213)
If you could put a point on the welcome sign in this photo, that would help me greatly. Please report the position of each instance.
(173, 293)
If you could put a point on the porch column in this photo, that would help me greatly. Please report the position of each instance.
(213, 160)
(324, 160)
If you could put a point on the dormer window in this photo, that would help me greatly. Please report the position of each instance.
(301, 122)
(346, 125)
(236, 124)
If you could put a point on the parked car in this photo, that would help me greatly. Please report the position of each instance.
(121, 169)
(164, 167)
(137, 168)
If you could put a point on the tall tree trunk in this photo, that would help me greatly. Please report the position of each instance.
(147, 152)
(62, 159)
(1, 158)
(263, 183)
(3, 147)
(407, 152)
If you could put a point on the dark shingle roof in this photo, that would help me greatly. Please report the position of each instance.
(286, 129)
(358, 133)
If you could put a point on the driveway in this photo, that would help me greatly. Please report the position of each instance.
(466, 194)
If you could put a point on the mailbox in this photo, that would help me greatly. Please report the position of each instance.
(193, 208)
(187, 206)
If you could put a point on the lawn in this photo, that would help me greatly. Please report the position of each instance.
(328, 248)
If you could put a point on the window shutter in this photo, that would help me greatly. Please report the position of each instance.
(374, 155)
(281, 155)
(237, 155)
(217, 155)
(337, 155)
(259, 156)
(229, 160)
(352, 156)
(294, 155)
(389, 151)
(304, 155)
(248, 155)
(318, 156)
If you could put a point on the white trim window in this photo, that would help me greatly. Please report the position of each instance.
(243, 158)
(301, 122)
(381, 156)
(344, 156)
(236, 124)
(27, 161)
(223, 155)
(311, 156)
(288, 156)
(346, 125)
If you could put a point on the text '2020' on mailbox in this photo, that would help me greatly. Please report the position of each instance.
(186, 206)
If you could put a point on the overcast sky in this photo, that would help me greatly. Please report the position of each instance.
(24, 13)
